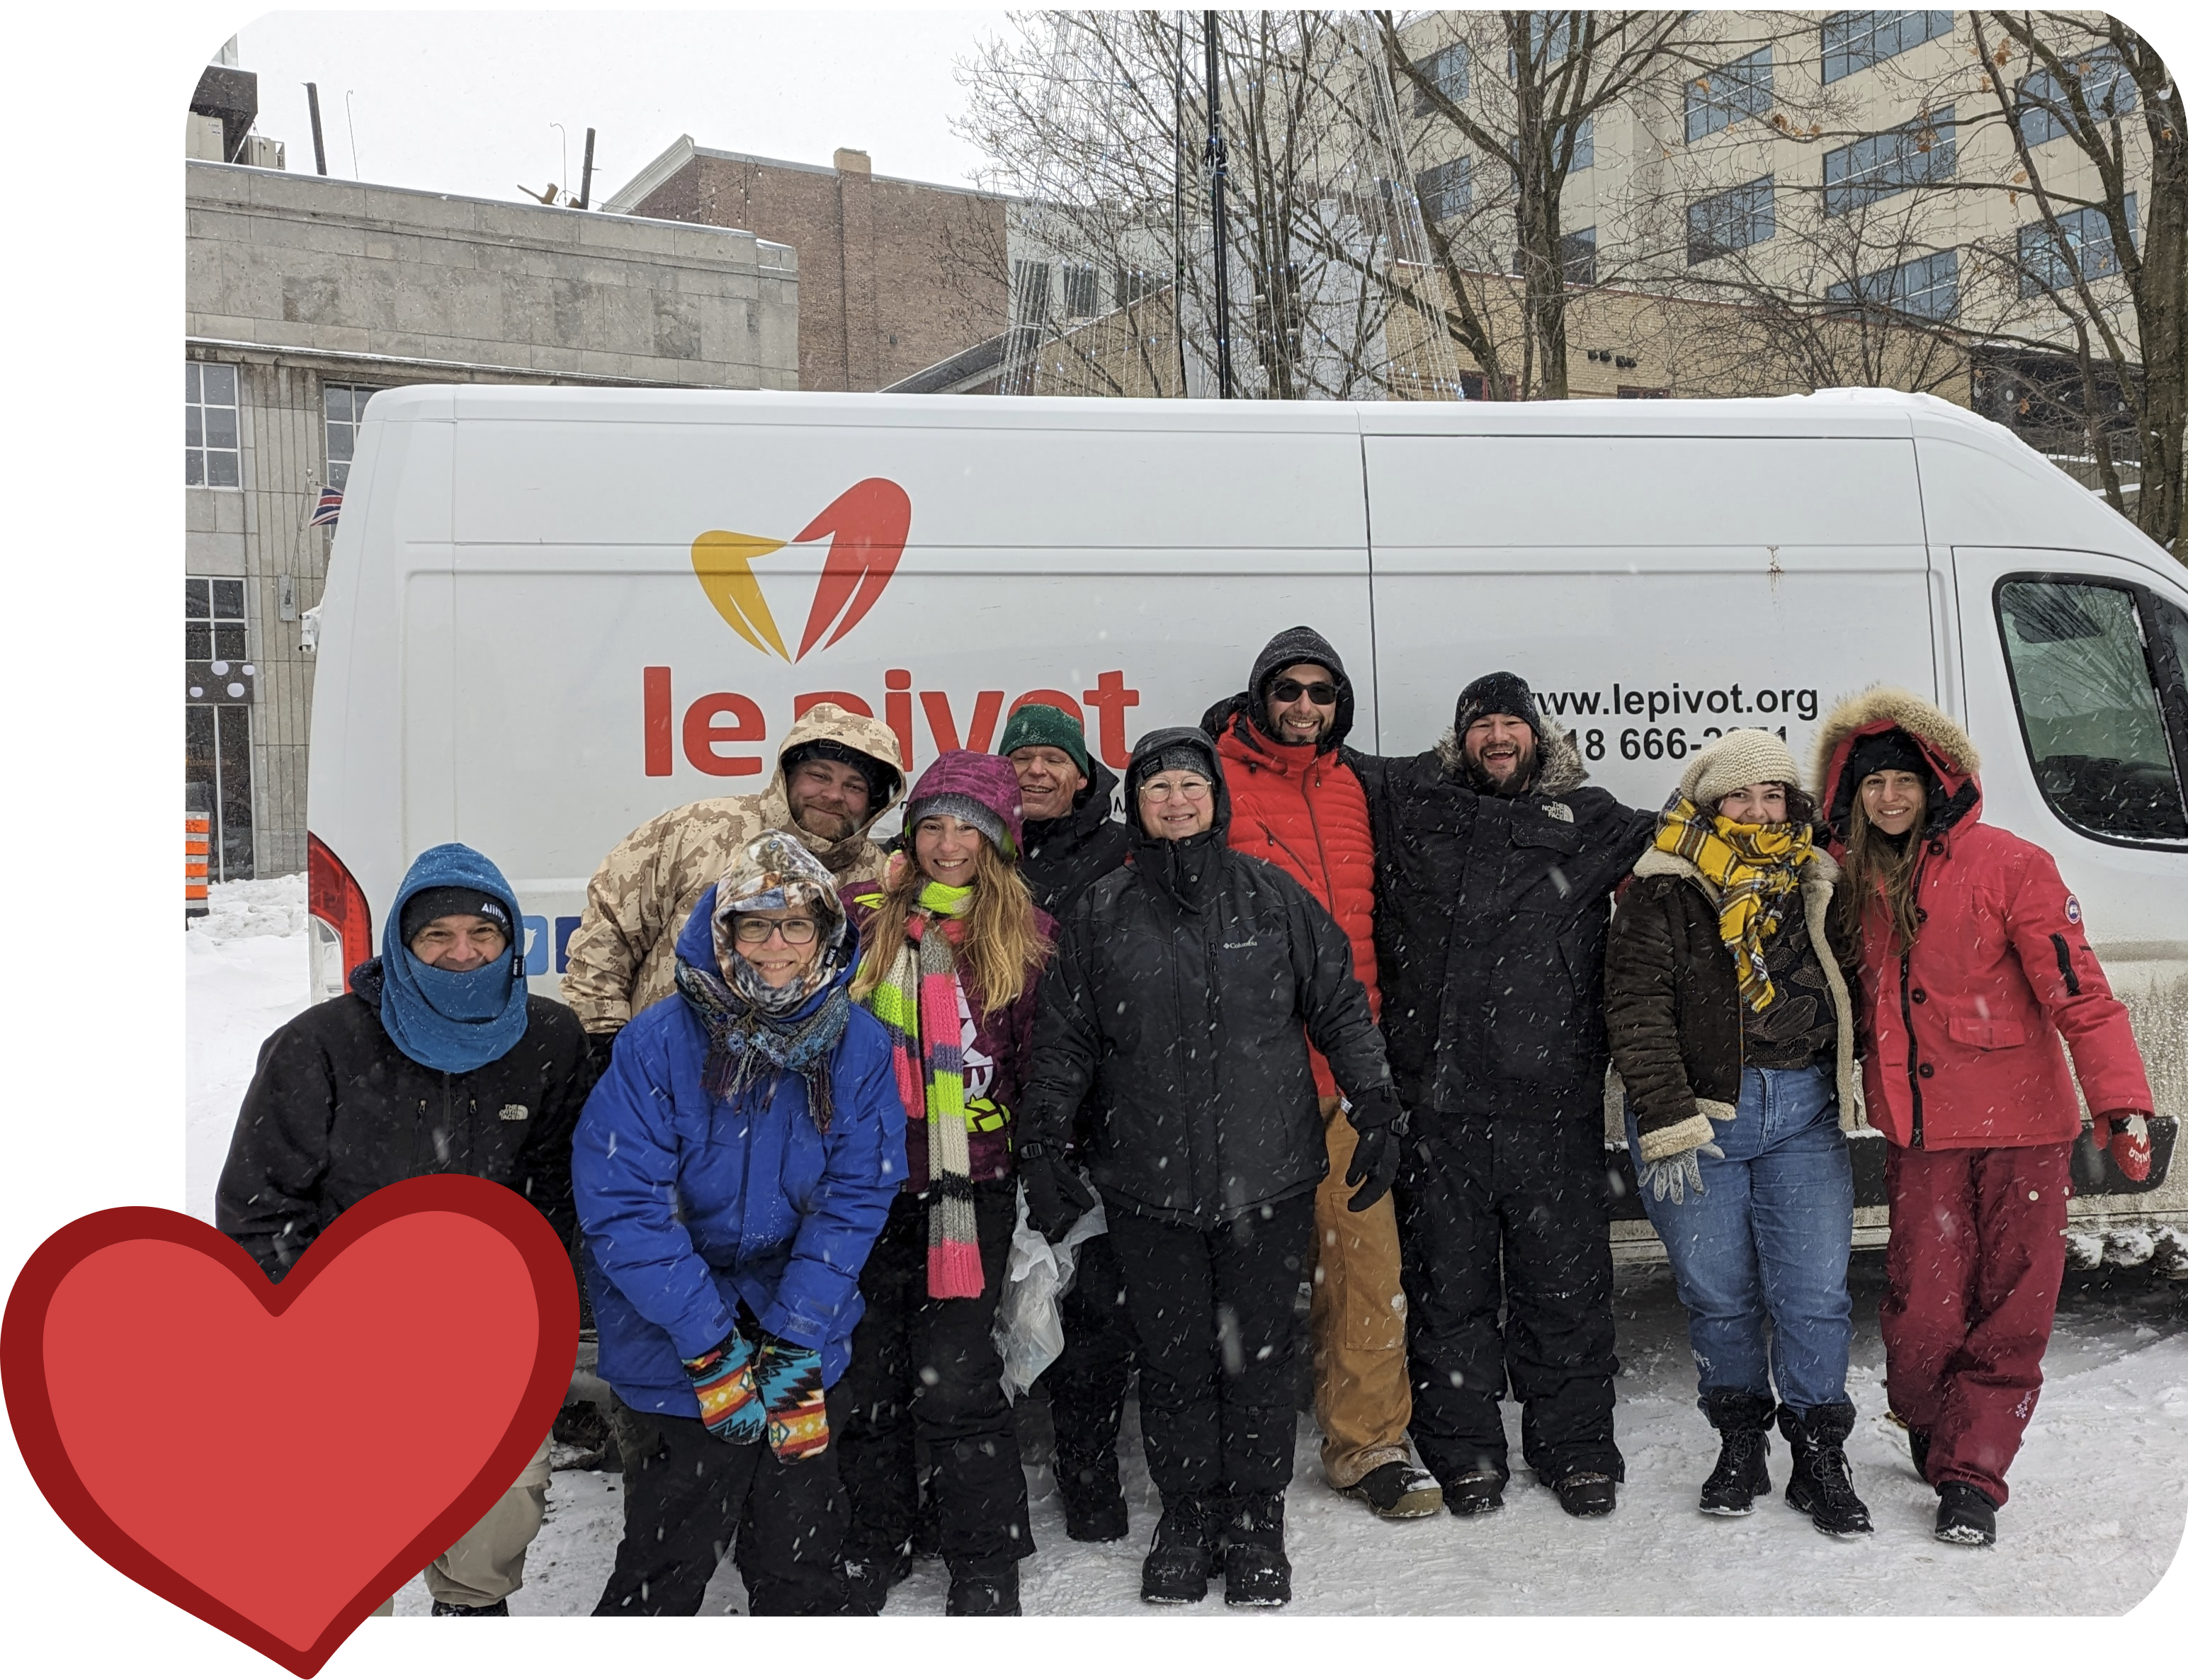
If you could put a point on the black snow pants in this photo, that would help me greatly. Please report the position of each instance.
(1510, 1212)
(1087, 1384)
(1218, 1345)
(926, 1373)
(689, 1497)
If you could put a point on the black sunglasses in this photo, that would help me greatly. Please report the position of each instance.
(1285, 689)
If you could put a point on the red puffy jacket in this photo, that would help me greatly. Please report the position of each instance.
(1303, 809)
(1963, 1051)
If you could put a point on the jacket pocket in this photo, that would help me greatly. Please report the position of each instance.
(1986, 1032)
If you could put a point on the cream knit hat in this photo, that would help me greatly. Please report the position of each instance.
(1733, 761)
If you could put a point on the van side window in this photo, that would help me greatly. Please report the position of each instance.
(2089, 708)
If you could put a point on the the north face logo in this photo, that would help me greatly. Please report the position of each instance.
(869, 522)
(514, 1111)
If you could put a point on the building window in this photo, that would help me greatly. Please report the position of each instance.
(1583, 155)
(2090, 251)
(212, 618)
(1884, 164)
(2047, 103)
(1928, 288)
(1854, 40)
(1135, 284)
(1446, 70)
(1082, 291)
(1550, 37)
(1727, 94)
(212, 449)
(1445, 190)
(345, 407)
(1576, 257)
(1029, 284)
(1731, 220)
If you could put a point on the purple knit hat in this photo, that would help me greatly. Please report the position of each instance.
(979, 789)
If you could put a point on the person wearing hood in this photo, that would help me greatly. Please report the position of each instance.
(1494, 866)
(955, 948)
(1297, 803)
(438, 1059)
(1973, 963)
(1071, 842)
(1177, 1016)
(1733, 1028)
(836, 773)
(732, 1169)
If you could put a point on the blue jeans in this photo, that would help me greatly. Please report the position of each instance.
(1761, 1259)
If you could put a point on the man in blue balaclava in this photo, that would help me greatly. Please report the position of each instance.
(438, 1059)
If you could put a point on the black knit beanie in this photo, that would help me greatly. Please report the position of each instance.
(881, 780)
(436, 902)
(1498, 691)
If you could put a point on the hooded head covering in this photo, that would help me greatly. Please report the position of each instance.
(449, 1022)
(1184, 869)
(1890, 728)
(868, 745)
(1299, 646)
(978, 788)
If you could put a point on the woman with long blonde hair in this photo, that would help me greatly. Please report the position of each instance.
(954, 947)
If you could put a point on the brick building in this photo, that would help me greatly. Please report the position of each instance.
(894, 276)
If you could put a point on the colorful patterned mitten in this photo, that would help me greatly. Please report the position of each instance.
(728, 1403)
(789, 1379)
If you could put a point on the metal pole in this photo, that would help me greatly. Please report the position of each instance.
(318, 135)
(585, 187)
(1217, 171)
(1177, 205)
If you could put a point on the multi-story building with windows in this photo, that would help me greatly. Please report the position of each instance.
(305, 294)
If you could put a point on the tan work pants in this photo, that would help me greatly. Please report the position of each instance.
(488, 1564)
(1362, 1397)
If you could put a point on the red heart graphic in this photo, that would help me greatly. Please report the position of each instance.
(251, 1452)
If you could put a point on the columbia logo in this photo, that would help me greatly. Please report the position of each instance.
(1241, 944)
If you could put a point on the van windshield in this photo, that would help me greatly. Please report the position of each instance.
(2089, 706)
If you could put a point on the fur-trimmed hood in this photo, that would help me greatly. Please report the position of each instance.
(1559, 767)
(1952, 758)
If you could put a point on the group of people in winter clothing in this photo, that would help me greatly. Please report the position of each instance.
(1304, 1019)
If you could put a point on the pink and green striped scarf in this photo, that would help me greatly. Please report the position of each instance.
(921, 987)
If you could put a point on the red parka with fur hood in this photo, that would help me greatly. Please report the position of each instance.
(1963, 1030)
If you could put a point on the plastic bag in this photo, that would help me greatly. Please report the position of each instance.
(1037, 1275)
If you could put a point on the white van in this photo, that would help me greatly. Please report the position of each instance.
(551, 613)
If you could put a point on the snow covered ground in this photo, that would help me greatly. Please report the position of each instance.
(2101, 1490)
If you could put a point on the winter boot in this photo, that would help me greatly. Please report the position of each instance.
(1965, 1515)
(1397, 1490)
(1586, 1493)
(867, 1580)
(499, 1607)
(1093, 1500)
(1918, 1449)
(1181, 1560)
(1476, 1493)
(1256, 1573)
(1742, 1464)
(989, 1591)
(1821, 1483)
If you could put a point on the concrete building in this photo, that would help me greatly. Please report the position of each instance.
(895, 276)
(307, 294)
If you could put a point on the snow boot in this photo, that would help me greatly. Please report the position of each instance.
(1743, 1463)
(867, 1580)
(499, 1607)
(1586, 1493)
(1256, 1573)
(1093, 1500)
(1821, 1483)
(1397, 1490)
(1476, 1493)
(1181, 1560)
(989, 1592)
(1965, 1515)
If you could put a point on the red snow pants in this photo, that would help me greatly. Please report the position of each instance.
(1971, 1279)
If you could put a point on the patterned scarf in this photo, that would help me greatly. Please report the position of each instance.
(748, 1042)
(919, 990)
(1753, 867)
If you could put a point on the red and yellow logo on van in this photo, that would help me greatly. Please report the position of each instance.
(869, 523)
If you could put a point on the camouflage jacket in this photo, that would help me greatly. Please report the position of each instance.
(623, 957)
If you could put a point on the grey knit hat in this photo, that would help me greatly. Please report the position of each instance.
(1735, 760)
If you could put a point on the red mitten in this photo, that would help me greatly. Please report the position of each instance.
(2129, 1143)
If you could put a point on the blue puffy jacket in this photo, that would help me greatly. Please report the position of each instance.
(691, 1205)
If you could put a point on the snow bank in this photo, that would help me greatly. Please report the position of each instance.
(249, 971)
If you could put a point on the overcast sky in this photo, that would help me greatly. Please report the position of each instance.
(461, 102)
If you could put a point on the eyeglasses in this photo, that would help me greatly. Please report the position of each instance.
(752, 930)
(1177, 787)
(1286, 690)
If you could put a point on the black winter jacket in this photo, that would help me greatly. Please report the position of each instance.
(336, 1112)
(1186, 1028)
(1065, 855)
(1491, 916)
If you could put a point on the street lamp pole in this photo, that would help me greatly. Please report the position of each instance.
(1217, 172)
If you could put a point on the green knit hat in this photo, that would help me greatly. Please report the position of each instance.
(1038, 725)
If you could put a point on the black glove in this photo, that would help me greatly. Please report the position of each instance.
(599, 1048)
(1379, 1122)
(1055, 1194)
